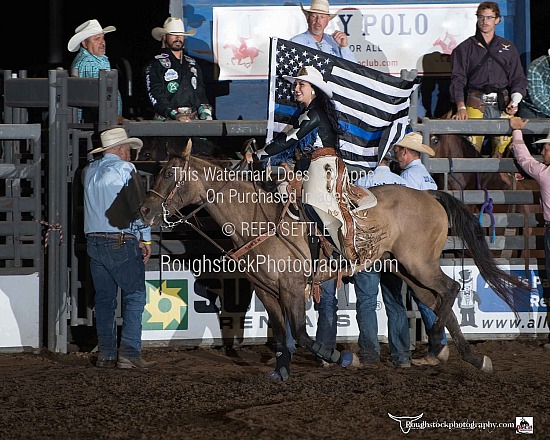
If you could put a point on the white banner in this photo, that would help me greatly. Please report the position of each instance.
(20, 308)
(385, 37)
(220, 307)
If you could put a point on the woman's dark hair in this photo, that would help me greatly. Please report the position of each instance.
(328, 106)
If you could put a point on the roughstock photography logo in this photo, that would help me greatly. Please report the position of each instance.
(524, 425)
(405, 422)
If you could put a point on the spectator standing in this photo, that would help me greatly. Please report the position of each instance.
(538, 171)
(173, 79)
(366, 285)
(318, 17)
(487, 80)
(537, 102)
(407, 153)
(89, 41)
(119, 245)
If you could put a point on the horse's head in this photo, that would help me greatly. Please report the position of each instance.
(174, 188)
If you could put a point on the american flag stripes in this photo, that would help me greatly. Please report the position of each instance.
(373, 105)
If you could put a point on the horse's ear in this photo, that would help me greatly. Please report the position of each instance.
(187, 149)
(184, 152)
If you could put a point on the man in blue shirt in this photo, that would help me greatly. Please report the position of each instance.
(407, 153)
(366, 292)
(119, 245)
(89, 40)
(317, 18)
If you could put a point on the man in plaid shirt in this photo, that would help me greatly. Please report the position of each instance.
(89, 40)
(537, 102)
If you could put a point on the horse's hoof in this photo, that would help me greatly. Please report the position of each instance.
(356, 362)
(346, 359)
(487, 366)
(443, 355)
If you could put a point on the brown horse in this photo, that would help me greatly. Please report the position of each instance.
(407, 224)
(455, 146)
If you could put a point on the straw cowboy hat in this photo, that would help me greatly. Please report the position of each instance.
(313, 76)
(318, 7)
(114, 137)
(413, 141)
(87, 30)
(172, 25)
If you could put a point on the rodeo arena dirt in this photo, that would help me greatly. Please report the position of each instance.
(212, 393)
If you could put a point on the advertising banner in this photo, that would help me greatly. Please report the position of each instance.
(222, 306)
(20, 307)
(385, 37)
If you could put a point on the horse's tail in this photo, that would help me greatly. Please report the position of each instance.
(466, 226)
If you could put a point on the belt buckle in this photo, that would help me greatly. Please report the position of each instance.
(121, 239)
(489, 98)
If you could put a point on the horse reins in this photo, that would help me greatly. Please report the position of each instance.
(234, 254)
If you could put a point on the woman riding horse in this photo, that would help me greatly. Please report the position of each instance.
(313, 145)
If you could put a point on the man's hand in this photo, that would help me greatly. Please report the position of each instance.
(146, 251)
(461, 112)
(516, 123)
(512, 108)
(186, 117)
(341, 38)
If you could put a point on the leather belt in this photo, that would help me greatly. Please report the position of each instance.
(120, 236)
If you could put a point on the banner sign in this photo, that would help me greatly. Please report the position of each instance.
(20, 311)
(222, 306)
(385, 37)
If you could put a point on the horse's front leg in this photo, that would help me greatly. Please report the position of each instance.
(279, 329)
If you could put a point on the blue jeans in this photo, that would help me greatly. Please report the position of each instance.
(366, 291)
(113, 265)
(428, 317)
(327, 321)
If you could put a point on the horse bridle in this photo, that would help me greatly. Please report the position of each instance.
(184, 219)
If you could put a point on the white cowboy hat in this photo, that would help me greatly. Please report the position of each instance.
(318, 7)
(544, 141)
(114, 137)
(313, 76)
(87, 30)
(413, 141)
(172, 25)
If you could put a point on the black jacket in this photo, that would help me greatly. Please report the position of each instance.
(312, 130)
(172, 84)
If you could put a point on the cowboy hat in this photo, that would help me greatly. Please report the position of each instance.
(87, 30)
(172, 25)
(318, 7)
(544, 141)
(114, 137)
(413, 141)
(313, 76)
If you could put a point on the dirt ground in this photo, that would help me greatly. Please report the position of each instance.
(212, 393)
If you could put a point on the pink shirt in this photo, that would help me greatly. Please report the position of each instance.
(537, 170)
